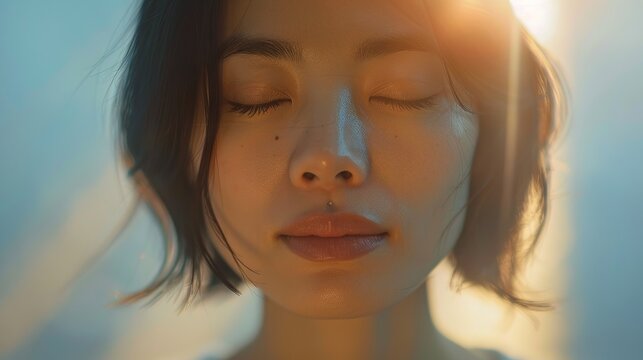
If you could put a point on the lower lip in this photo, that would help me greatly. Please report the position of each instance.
(317, 248)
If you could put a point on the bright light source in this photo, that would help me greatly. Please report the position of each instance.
(539, 17)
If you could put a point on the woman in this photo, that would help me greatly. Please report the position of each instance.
(332, 153)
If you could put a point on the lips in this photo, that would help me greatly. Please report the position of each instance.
(332, 225)
(316, 248)
(331, 237)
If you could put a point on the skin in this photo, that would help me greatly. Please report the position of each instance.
(408, 170)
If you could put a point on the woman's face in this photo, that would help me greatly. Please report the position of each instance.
(408, 163)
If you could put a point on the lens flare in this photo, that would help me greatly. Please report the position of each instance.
(539, 17)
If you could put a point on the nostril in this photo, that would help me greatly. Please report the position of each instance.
(344, 174)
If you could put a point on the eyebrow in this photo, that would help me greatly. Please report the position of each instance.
(270, 48)
(285, 50)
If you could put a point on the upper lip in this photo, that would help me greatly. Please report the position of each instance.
(332, 225)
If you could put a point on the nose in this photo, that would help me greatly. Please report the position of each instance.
(332, 151)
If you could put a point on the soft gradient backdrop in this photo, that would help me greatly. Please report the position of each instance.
(63, 194)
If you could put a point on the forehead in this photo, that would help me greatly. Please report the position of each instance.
(327, 27)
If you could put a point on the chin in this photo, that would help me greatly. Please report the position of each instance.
(333, 301)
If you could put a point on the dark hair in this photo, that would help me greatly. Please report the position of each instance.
(172, 68)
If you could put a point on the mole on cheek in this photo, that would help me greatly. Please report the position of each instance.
(277, 137)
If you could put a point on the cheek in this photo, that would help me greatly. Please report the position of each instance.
(425, 162)
(243, 185)
(432, 187)
(248, 166)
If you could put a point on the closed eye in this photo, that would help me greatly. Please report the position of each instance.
(254, 109)
(419, 104)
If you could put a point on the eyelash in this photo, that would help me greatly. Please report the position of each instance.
(254, 109)
(419, 104)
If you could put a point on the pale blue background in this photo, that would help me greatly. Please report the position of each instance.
(55, 140)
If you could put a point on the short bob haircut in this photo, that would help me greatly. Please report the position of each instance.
(172, 70)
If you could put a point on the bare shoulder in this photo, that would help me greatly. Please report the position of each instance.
(244, 354)
(482, 354)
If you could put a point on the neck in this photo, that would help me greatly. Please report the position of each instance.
(403, 331)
